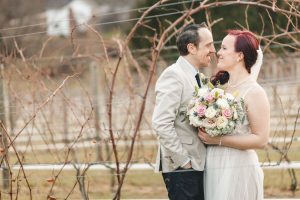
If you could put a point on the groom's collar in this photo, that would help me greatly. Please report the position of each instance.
(188, 66)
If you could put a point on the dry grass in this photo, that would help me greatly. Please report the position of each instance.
(138, 184)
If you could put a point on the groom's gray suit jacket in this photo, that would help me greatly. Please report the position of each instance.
(178, 141)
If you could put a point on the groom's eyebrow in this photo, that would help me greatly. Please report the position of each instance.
(209, 43)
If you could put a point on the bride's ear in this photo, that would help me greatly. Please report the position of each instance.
(240, 56)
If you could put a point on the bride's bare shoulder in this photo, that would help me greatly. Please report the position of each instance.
(257, 94)
(257, 90)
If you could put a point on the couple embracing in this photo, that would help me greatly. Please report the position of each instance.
(194, 164)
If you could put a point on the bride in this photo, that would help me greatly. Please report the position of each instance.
(232, 168)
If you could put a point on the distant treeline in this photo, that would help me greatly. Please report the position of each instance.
(257, 19)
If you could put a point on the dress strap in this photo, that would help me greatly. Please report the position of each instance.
(246, 92)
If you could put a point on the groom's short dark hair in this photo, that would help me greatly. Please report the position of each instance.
(188, 35)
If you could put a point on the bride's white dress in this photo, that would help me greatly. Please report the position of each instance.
(233, 174)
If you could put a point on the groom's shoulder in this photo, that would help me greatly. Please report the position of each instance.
(171, 70)
(171, 74)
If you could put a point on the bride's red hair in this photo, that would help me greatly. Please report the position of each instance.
(248, 44)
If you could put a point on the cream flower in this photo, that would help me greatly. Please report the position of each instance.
(221, 122)
(229, 96)
(210, 112)
(194, 120)
(209, 123)
(222, 103)
(202, 92)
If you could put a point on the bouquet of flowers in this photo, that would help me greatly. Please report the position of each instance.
(214, 110)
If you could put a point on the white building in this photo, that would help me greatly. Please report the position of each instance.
(58, 16)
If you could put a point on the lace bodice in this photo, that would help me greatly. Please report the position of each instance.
(244, 127)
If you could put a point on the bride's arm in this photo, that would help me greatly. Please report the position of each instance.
(259, 119)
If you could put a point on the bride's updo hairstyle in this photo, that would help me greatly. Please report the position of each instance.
(246, 43)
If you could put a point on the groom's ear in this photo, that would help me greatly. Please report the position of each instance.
(191, 48)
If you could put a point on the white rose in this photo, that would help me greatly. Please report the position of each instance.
(210, 112)
(222, 103)
(202, 92)
(229, 96)
(217, 91)
(221, 122)
(194, 121)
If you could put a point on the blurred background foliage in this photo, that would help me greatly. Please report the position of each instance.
(256, 19)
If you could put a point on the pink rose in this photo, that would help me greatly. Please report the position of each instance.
(201, 111)
(227, 113)
(209, 97)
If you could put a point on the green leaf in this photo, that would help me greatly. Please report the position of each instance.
(216, 94)
(184, 114)
(210, 85)
(196, 89)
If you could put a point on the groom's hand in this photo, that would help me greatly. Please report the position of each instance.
(202, 135)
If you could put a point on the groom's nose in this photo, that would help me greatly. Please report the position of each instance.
(212, 49)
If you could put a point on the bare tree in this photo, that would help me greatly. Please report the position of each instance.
(52, 102)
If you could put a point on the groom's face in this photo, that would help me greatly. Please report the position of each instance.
(205, 48)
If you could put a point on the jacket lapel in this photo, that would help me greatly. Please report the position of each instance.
(187, 71)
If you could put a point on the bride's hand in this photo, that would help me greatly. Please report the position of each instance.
(206, 139)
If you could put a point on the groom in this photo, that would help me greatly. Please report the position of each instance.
(181, 155)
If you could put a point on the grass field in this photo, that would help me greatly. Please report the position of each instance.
(138, 184)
